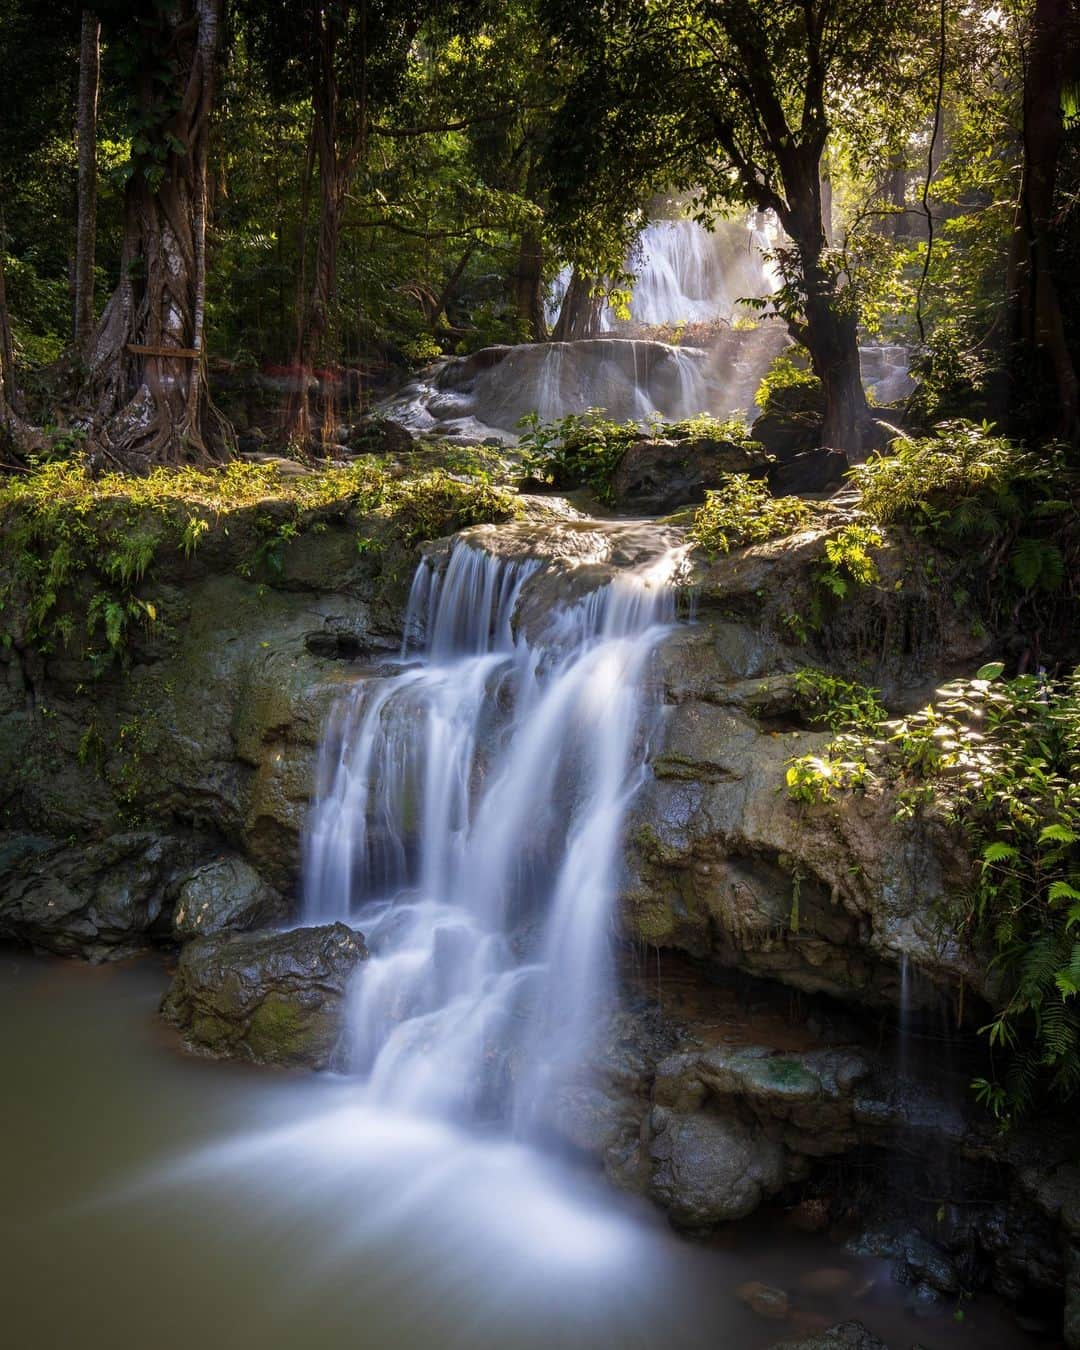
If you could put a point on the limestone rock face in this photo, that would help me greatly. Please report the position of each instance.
(276, 998)
(721, 863)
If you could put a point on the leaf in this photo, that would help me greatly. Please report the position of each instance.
(999, 852)
(1061, 890)
(1057, 834)
(990, 671)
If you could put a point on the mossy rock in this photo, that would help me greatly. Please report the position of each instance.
(272, 997)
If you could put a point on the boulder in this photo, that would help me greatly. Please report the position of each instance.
(100, 901)
(378, 436)
(810, 471)
(221, 895)
(659, 475)
(843, 1336)
(792, 422)
(764, 1299)
(708, 1169)
(273, 997)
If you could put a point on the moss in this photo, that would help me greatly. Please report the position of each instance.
(278, 1031)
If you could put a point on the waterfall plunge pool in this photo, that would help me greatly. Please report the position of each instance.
(151, 1198)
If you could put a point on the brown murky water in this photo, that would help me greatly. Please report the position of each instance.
(151, 1199)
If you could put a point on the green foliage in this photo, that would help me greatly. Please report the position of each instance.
(1007, 514)
(75, 543)
(579, 450)
(811, 780)
(960, 482)
(741, 511)
(838, 704)
(846, 561)
(999, 760)
(1007, 763)
(786, 376)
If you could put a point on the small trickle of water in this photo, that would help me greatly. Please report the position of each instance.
(467, 821)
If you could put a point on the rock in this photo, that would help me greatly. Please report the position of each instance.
(792, 422)
(100, 901)
(378, 436)
(658, 475)
(765, 1300)
(810, 1215)
(708, 1169)
(225, 894)
(828, 1280)
(276, 998)
(843, 1336)
(917, 1261)
(924, 1300)
(809, 471)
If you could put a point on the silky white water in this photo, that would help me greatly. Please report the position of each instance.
(467, 820)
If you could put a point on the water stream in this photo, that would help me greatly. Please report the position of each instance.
(467, 820)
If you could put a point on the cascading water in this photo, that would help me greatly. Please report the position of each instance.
(467, 820)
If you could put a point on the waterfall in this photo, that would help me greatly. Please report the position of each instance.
(467, 820)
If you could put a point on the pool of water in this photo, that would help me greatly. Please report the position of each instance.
(152, 1199)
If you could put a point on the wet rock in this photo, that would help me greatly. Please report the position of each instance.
(792, 422)
(810, 471)
(276, 998)
(708, 1169)
(924, 1300)
(659, 475)
(829, 1280)
(100, 901)
(378, 436)
(810, 1215)
(843, 1336)
(917, 1261)
(222, 895)
(1070, 1225)
(804, 1099)
(765, 1300)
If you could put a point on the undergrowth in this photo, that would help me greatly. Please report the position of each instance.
(741, 510)
(584, 449)
(999, 760)
(67, 534)
(1007, 516)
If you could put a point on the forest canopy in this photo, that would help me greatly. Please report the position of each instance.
(360, 187)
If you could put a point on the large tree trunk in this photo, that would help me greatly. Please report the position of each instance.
(580, 312)
(1036, 318)
(529, 289)
(152, 406)
(317, 310)
(86, 135)
(16, 434)
(829, 330)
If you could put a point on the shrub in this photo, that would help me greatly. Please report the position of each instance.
(787, 385)
(741, 511)
(579, 450)
(61, 528)
(838, 704)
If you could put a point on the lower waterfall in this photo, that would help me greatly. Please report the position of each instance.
(467, 820)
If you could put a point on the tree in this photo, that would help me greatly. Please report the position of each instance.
(736, 101)
(1051, 71)
(86, 137)
(146, 357)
